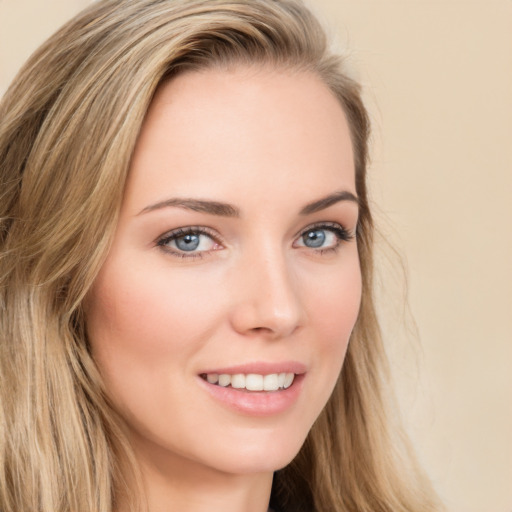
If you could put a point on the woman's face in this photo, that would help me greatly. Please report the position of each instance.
(222, 314)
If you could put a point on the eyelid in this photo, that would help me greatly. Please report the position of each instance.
(173, 234)
(343, 233)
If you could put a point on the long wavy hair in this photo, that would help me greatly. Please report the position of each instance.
(68, 126)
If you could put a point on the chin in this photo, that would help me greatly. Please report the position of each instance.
(259, 454)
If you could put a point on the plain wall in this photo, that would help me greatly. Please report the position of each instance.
(438, 82)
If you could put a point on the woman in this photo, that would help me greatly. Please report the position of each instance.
(186, 253)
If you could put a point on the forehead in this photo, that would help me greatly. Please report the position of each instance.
(217, 130)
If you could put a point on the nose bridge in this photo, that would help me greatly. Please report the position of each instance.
(269, 298)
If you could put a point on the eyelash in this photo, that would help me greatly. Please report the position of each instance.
(342, 235)
(181, 232)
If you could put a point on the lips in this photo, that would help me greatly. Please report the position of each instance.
(259, 389)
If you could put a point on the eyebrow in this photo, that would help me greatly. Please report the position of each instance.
(331, 199)
(196, 205)
(228, 210)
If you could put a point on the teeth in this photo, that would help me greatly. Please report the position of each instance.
(271, 382)
(224, 380)
(288, 380)
(238, 381)
(212, 378)
(252, 381)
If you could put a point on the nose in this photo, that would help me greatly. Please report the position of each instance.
(266, 299)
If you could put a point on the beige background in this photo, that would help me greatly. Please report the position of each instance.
(438, 81)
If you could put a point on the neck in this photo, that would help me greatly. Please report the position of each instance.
(172, 482)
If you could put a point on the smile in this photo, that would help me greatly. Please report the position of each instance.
(256, 389)
(251, 381)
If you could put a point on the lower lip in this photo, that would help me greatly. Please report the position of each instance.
(256, 403)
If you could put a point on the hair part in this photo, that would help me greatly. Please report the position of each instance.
(70, 122)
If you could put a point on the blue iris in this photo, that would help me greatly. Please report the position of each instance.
(314, 239)
(188, 242)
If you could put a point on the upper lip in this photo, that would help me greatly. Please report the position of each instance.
(260, 368)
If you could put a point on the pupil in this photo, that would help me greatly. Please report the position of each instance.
(314, 238)
(187, 242)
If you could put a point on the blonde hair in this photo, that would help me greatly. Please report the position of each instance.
(70, 121)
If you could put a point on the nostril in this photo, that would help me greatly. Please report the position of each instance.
(278, 331)
(268, 305)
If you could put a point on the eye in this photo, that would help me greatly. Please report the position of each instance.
(189, 242)
(322, 237)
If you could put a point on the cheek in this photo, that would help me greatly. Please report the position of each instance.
(333, 307)
(334, 300)
(140, 320)
(146, 325)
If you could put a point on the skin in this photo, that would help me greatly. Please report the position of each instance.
(268, 143)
